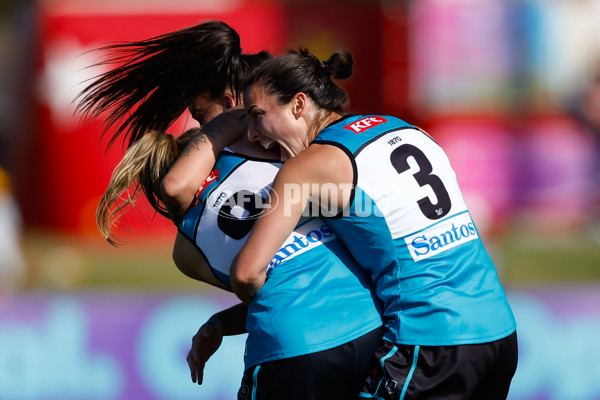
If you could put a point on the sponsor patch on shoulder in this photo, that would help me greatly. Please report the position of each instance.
(441, 237)
(365, 123)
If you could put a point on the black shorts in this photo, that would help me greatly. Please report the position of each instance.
(334, 374)
(477, 371)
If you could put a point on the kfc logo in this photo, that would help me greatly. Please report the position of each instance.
(365, 123)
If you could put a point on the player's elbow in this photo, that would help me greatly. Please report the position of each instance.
(246, 281)
(242, 277)
(172, 189)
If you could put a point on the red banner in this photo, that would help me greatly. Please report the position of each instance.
(67, 169)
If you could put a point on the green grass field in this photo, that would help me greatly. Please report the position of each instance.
(66, 262)
(548, 260)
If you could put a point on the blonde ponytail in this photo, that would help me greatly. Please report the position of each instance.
(141, 170)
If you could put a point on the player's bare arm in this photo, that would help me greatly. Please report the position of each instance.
(248, 272)
(331, 170)
(197, 160)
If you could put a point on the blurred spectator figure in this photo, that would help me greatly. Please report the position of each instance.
(586, 109)
(586, 106)
(12, 262)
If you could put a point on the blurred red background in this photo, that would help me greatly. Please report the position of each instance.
(468, 73)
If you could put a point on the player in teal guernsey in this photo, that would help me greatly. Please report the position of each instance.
(313, 327)
(390, 194)
(406, 194)
(315, 320)
(312, 278)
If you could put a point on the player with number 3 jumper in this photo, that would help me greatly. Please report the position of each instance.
(449, 330)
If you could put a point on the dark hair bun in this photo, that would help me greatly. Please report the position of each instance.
(339, 65)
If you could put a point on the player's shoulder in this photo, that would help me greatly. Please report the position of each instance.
(321, 155)
(318, 163)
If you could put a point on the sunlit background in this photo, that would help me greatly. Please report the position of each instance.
(511, 89)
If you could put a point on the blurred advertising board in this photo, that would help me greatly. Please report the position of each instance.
(461, 56)
(481, 149)
(66, 167)
(111, 346)
(540, 169)
(558, 164)
(485, 82)
(132, 346)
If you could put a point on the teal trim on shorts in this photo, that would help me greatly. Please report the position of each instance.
(382, 361)
(368, 395)
(254, 382)
(410, 373)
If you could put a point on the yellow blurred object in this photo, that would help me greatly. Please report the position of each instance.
(4, 181)
(12, 262)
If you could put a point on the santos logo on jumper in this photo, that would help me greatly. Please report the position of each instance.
(442, 236)
(308, 236)
(365, 123)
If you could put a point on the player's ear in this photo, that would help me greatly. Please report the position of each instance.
(298, 104)
(228, 101)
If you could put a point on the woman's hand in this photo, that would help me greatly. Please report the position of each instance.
(231, 321)
(204, 344)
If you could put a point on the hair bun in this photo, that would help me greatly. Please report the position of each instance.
(339, 65)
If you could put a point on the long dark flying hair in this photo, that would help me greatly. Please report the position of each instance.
(156, 79)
